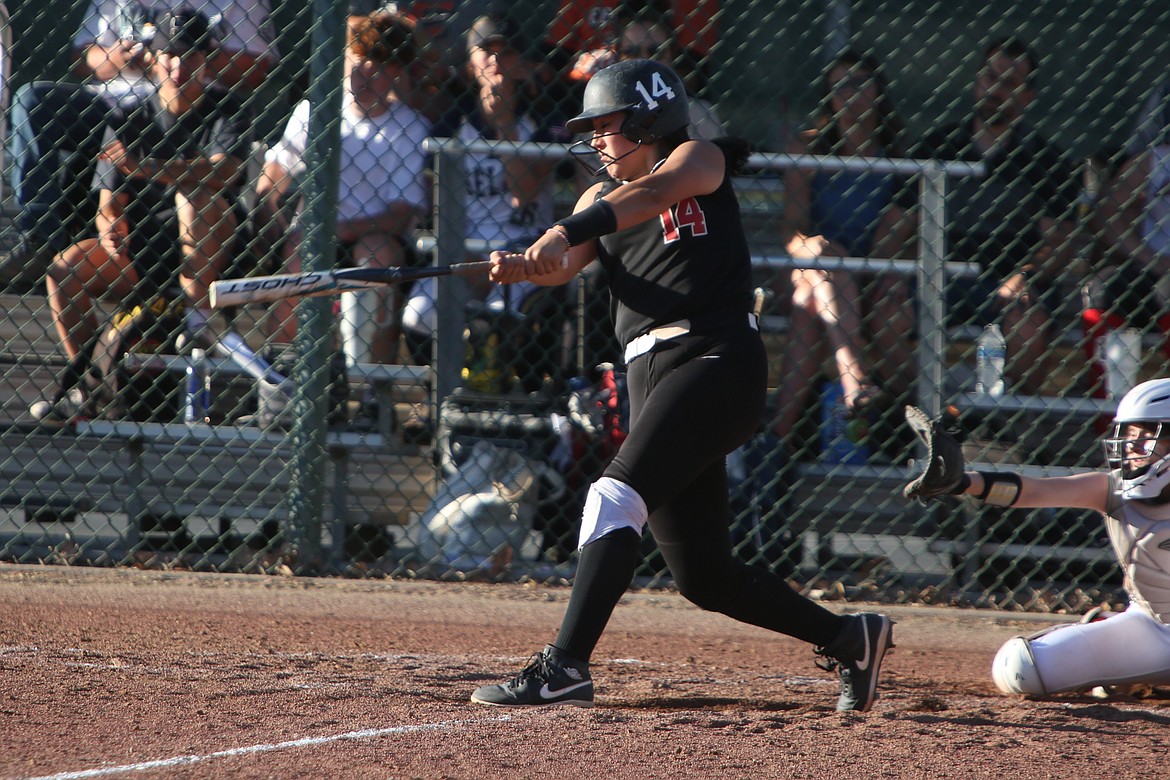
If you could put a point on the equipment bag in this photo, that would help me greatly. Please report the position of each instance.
(127, 379)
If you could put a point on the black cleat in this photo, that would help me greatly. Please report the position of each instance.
(857, 655)
(549, 679)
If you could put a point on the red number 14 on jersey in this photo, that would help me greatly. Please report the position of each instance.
(685, 214)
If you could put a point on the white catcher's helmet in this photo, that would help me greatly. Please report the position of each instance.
(1147, 403)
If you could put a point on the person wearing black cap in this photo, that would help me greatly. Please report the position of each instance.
(56, 127)
(165, 181)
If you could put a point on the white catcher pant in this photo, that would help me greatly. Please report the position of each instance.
(1129, 647)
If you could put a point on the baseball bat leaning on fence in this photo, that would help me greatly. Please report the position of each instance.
(233, 347)
(258, 289)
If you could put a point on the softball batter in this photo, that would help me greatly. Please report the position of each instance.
(666, 227)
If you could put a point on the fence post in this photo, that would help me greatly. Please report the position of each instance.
(931, 288)
(450, 292)
(319, 221)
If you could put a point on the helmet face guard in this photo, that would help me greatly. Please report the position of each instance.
(593, 160)
(1144, 475)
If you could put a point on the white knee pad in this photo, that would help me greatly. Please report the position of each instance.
(1014, 669)
(610, 505)
(359, 323)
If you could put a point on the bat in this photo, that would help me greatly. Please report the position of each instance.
(233, 347)
(258, 289)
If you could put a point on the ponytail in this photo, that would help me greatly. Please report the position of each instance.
(736, 152)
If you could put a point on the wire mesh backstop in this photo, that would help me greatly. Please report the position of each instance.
(925, 174)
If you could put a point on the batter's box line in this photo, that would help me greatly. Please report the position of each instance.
(188, 760)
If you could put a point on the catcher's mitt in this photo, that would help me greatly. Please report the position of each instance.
(943, 475)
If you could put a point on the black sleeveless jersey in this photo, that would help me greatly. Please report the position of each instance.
(692, 260)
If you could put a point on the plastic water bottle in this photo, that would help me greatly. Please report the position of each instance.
(197, 402)
(842, 436)
(990, 354)
(1120, 352)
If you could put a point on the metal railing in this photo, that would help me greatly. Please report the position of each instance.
(930, 268)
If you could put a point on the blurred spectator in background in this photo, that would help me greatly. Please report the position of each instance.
(167, 179)
(106, 50)
(644, 39)
(1015, 222)
(57, 128)
(835, 213)
(1152, 127)
(509, 198)
(381, 189)
(1130, 287)
(582, 35)
(644, 31)
(438, 27)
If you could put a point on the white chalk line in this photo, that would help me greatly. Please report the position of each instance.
(268, 748)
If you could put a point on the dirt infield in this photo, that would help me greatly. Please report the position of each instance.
(124, 673)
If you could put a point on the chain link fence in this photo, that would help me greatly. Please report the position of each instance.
(925, 173)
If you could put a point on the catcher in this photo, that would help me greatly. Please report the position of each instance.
(1130, 647)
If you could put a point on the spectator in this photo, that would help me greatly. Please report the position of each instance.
(508, 197)
(1131, 221)
(57, 127)
(1131, 495)
(582, 35)
(165, 179)
(651, 40)
(106, 52)
(438, 29)
(380, 189)
(643, 31)
(1014, 222)
(1153, 120)
(835, 213)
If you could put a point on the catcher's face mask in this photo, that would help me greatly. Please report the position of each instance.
(1140, 454)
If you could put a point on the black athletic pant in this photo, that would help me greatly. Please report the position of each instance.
(692, 401)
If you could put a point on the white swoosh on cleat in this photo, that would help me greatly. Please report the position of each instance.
(861, 667)
(545, 693)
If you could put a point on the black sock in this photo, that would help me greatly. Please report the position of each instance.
(603, 575)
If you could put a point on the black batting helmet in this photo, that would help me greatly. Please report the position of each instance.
(652, 94)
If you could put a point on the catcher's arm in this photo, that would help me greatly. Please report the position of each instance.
(1077, 491)
(945, 474)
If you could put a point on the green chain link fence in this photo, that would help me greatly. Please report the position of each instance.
(460, 440)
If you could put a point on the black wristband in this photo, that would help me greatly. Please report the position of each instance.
(596, 221)
(1000, 488)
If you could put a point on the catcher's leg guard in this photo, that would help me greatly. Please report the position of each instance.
(610, 505)
(1014, 669)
